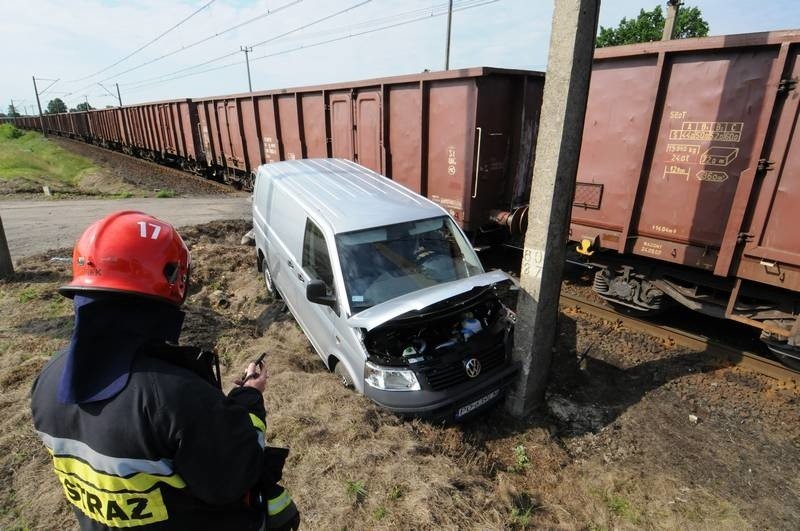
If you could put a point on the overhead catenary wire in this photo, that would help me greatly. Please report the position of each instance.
(472, 5)
(53, 82)
(415, 14)
(206, 39)
(196, 43)
(287, 33)
(374, 21)
(152, 41)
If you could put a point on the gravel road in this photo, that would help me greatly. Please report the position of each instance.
(35, 226)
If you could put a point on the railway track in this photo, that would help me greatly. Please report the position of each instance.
(155, 166)
(722, 353)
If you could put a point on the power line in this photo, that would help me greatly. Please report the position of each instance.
(472, 4)
(304, 26)
(188, 46)
(206, 39)
(139, 49)
(379, 20)
(54, 81)
(478, 3)
(295, 30)
(415, 14)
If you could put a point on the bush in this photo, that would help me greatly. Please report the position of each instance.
(9, 132)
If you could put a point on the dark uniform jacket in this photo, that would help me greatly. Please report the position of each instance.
(170, 451)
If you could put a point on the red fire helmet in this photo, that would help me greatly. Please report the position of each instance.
(131, 252)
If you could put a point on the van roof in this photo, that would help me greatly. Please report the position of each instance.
(347, 195)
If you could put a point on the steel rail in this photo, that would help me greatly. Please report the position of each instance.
(716, 349)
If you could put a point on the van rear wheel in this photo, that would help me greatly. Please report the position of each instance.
(344, 376)
(271, 290)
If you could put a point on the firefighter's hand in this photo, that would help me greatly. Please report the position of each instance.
(255, 377)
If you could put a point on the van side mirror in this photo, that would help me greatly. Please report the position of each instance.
(317, 292)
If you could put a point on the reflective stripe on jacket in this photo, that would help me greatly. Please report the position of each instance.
(282, 514)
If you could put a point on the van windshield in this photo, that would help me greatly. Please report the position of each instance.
(382, 263)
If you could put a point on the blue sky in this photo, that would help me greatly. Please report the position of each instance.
(72, 40)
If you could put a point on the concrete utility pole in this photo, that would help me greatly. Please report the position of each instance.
(672, 16)
(247, 51)
(566, 88)
(447, 44)
(39, 104)
(6, 267)
(118, 96)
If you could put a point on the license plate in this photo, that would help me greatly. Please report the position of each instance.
(472, 406)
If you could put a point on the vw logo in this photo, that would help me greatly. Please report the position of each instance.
(473, 367)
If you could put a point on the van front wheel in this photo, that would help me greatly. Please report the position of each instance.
(271, 291)
(343, 375)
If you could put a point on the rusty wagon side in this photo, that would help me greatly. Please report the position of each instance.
(106, 127)
(690, 174)
(70, 124)
(463, 138)
(165, 131)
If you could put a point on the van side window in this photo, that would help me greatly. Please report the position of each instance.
(316, 260)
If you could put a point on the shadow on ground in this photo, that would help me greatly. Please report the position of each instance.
(586, 393)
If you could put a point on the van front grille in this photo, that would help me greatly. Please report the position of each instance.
(440, 378)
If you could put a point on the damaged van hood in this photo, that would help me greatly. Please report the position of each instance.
(420, 299)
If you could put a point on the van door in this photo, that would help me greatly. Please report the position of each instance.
(316, 319)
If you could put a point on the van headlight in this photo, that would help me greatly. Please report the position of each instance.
(390, 378)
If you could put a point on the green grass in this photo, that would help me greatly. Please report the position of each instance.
(356, 490)
(622, 508)
(521, 460)
(165, 193)
(380, 513)
(522, 511)
(29, 157)
(28, 294)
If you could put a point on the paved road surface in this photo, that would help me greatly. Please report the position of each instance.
(36, 226)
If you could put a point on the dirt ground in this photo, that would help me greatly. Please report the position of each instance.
(614, 449)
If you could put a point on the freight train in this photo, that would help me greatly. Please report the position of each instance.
(688, 181)
(688, 185)
(463, 138)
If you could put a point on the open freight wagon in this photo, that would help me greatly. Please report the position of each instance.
(690, 175)
(463, 138)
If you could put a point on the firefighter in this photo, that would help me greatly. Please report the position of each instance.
(140, 433)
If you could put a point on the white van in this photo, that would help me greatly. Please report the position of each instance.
(385, 286)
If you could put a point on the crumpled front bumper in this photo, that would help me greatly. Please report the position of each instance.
(444, 404)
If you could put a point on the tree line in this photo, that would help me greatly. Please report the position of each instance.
(54, 106)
